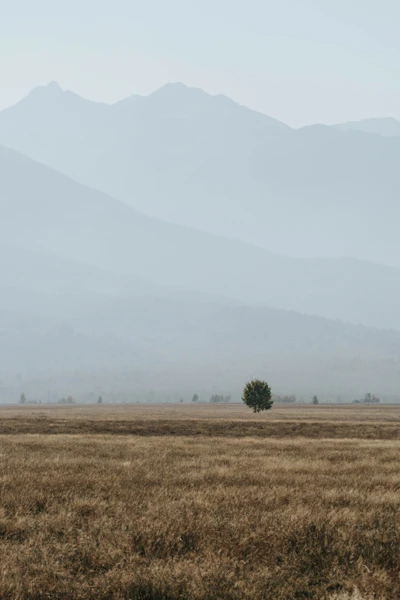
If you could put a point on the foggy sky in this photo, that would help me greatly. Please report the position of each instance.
(300, 62)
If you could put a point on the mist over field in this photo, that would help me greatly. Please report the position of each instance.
(195, 195)
(179, 243)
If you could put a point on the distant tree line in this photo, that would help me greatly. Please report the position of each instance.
(23, 400)
(286, 399)
(368, 399)
(220, 398)
(68, 400)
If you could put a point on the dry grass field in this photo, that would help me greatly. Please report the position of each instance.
(199, 502)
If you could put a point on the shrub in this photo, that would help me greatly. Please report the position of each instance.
(257, 395)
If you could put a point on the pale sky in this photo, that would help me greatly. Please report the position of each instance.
(301, 61)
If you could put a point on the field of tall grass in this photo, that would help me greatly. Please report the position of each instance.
(284, 509)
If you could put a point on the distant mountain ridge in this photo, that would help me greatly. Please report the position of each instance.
(387, 127)
(205, 162)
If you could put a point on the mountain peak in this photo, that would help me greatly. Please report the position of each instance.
(177, 85)
(53, 86)
(49, 90)
(174, 89)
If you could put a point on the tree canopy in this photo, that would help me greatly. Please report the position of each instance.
(257, 395)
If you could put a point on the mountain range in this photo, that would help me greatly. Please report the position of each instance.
(138, 236)
(205, 162)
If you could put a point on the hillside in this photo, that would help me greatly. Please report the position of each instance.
(47, 212)
(177, 346)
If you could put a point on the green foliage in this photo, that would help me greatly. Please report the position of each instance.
(99, 400)
(257, 395)
(315, 400)
(195, 398)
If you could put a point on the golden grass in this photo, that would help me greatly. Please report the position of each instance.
(233, 412)
(175, 516)
(362, 422)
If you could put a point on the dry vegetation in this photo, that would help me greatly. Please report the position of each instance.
(202, 510)
(362, 422)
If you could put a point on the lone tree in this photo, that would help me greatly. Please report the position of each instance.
(315, 400)
(257, 395)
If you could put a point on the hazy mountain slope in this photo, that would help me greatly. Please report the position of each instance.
(50, 273)
(387, 127)
(35, 346)
(169, 345)
(313, 192)
(211, 330)
(190, 158)
(47, 284)
(45, 211)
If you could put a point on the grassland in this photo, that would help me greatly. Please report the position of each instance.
(199, 502)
